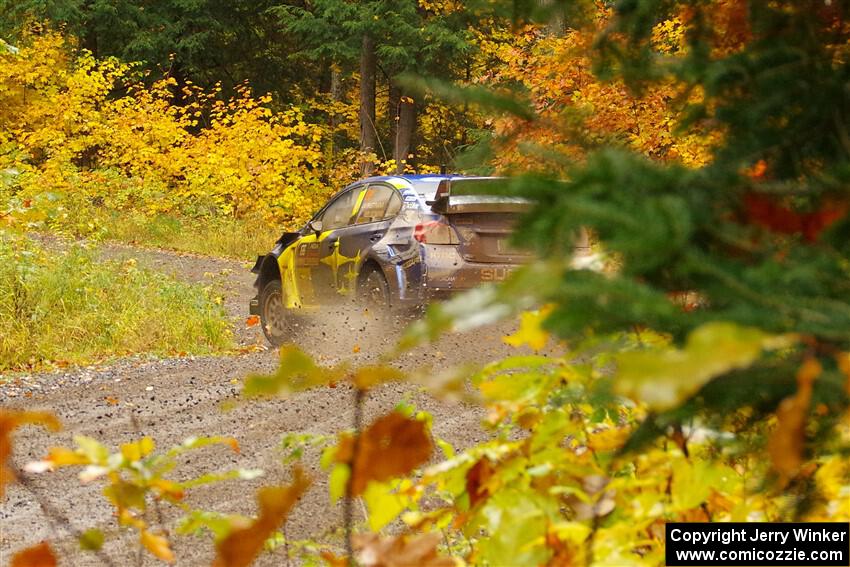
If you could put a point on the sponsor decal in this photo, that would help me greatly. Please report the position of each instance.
(308, 252)
(496, 274)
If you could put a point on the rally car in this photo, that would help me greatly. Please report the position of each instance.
(389, 242)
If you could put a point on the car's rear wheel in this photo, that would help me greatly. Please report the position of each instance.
(274, 317)
(374, 291)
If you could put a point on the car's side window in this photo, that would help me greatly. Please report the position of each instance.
(394, 206)
(379, 203)
(338, 213)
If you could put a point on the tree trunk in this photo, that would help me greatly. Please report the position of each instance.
(336, 96)
(90, 31)
(404, 132)
(556, 25)
(392, 111)
(368, 135)
(90, 42)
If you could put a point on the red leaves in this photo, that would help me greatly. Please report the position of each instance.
(9, 421)
(476, 481)
(37, 556)
(764, 211)
(787, 442)
(242, 545)
(400, 551)
(393, 445)
(781, 217)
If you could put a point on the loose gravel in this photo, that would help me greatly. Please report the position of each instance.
(175, 398)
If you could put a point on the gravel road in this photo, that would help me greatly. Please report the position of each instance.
(172, 399)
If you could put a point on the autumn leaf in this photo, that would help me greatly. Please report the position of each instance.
(191, 443)
(787, 441)
(392, 445)
(296, 372)
(693, 482)
(137, 450)
(125, 495)
(764, 211)
(607, 439)
(158, 545)
(9, 421)
(243, 544)
(400, 551)
(757, 171)
(386, 500)
(168, 489)
(91, 540)
(663, 377)
(368, 376)
(477, 478)
(37, 556)
(252, 321)
(334, 560)
(62, 457)
(530, 330)
(843, 361)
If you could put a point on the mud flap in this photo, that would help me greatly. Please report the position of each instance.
(258, 264)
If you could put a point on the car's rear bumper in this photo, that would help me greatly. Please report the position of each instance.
(446, 271)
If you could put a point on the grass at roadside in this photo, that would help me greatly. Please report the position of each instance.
(208, 235)
(230, 238)
(67, 307)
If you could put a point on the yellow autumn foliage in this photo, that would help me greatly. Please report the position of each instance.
(76, 131)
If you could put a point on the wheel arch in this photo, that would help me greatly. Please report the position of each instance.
(367, 266)
(269, 271)
(387, 271)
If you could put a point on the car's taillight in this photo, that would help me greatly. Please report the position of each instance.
(434, 232)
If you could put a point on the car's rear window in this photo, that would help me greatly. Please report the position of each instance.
(427, 187)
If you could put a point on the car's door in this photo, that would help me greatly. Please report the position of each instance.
(315, 277)
(344, 251)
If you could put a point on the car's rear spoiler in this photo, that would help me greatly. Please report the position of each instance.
(469, 195)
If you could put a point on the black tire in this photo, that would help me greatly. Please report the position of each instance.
(274, 317)
(374, 291)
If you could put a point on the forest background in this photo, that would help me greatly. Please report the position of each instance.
(704, 145)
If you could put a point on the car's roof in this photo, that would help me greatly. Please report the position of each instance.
(423, 183)
(435, 177)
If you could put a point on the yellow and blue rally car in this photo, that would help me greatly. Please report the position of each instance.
(387, 242)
